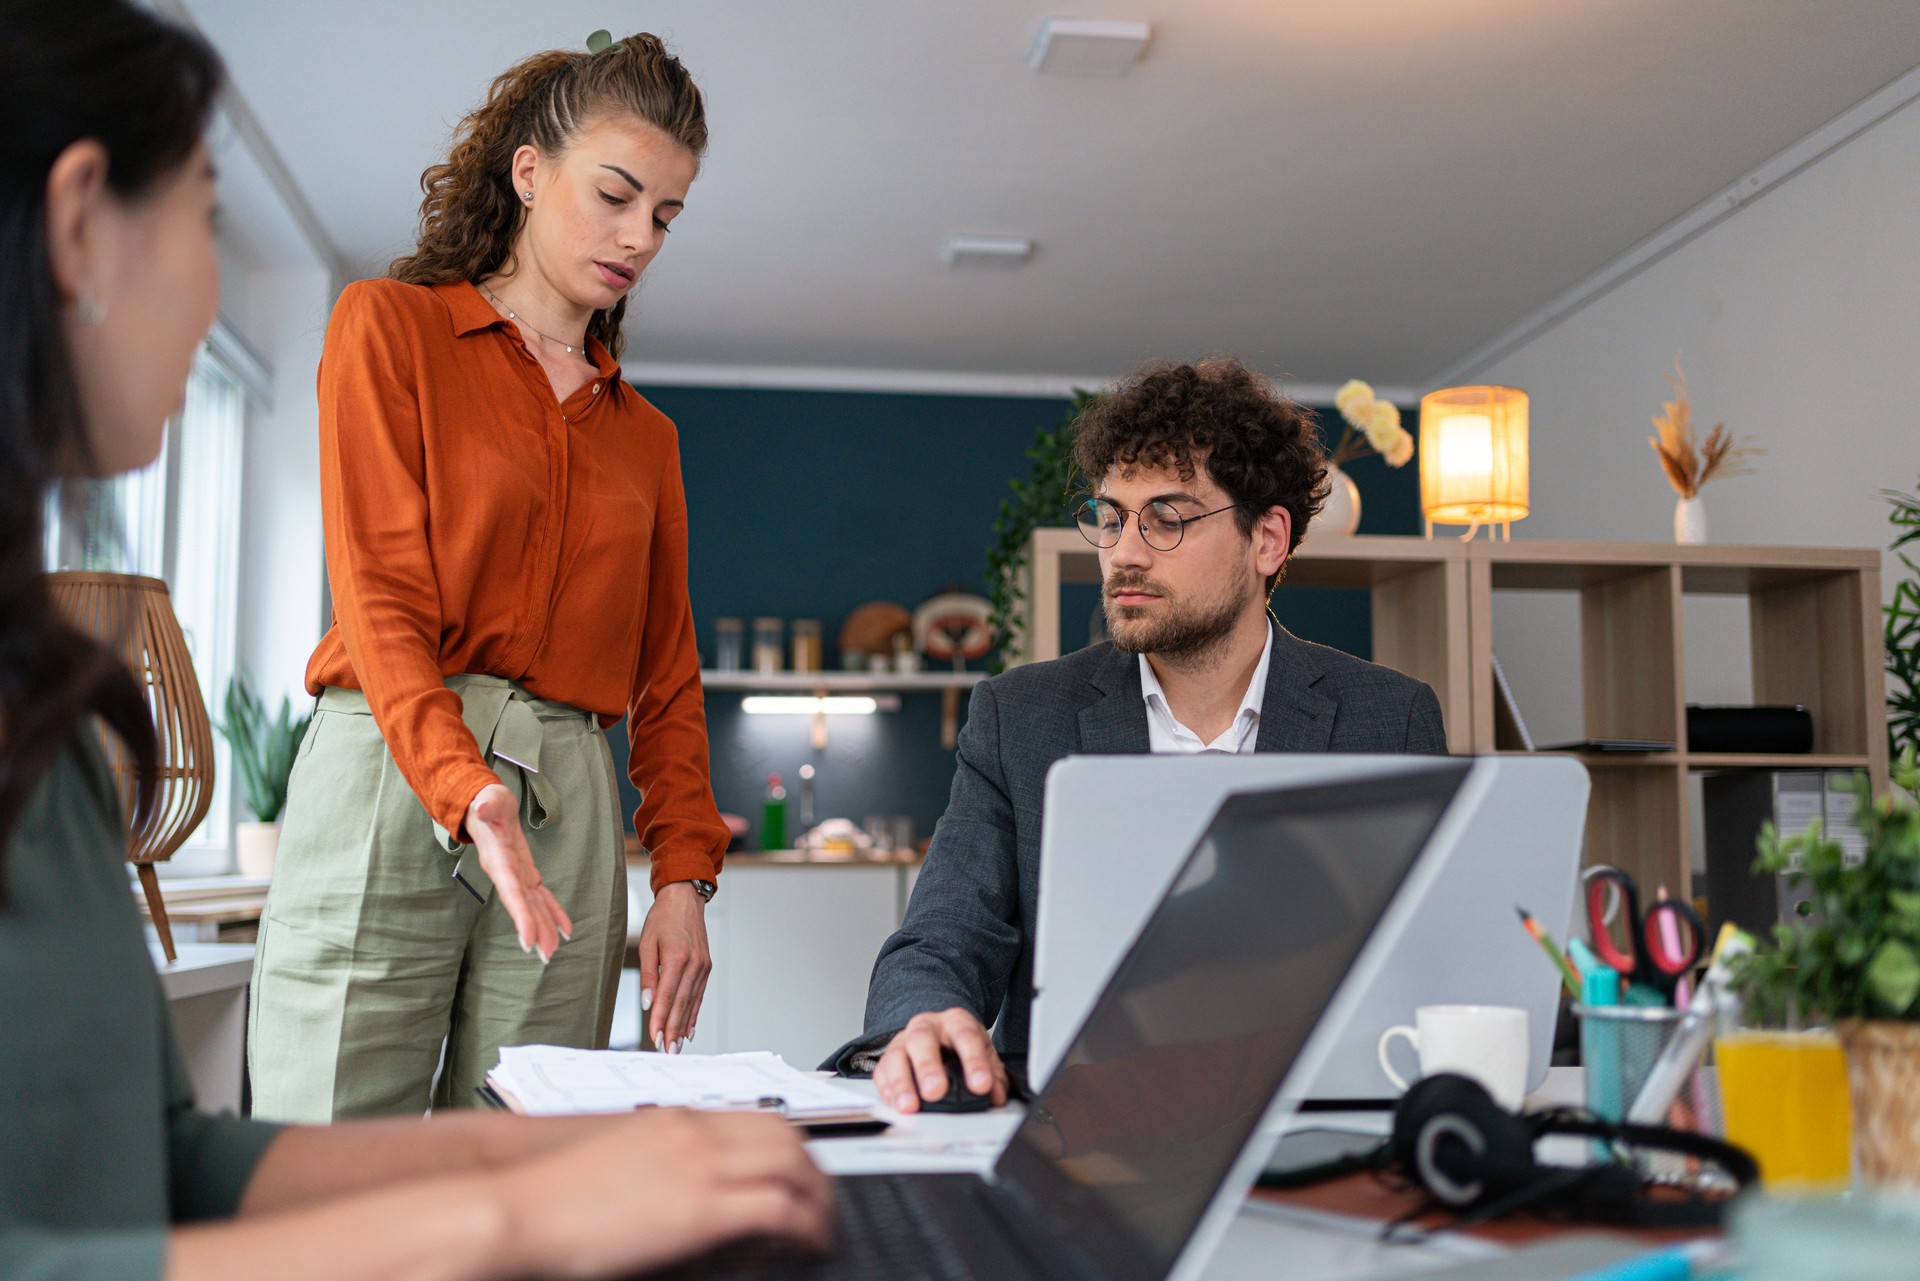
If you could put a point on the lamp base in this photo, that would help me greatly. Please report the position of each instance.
(1498, 532)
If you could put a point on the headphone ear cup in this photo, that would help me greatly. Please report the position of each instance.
(1458, 1144)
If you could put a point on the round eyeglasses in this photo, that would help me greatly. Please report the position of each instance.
(1101, 522)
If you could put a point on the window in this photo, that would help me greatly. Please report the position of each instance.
(178, 519)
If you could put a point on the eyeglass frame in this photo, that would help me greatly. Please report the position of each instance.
(1139, 521)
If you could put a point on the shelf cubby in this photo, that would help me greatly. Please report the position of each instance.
(1814, 630)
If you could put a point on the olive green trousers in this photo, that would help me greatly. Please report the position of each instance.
(373, 959)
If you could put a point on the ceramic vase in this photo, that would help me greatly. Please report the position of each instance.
(1341, 514)
(1883, 1076)
(1690, 521)
(254, 847)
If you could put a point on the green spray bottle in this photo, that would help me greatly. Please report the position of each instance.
(773, 816)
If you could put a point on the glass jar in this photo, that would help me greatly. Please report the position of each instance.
(807, 650)
(767, 645)
(729, 644)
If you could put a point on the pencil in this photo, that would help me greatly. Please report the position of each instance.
(1552, 949)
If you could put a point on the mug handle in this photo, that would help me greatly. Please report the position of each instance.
(1386, 1039)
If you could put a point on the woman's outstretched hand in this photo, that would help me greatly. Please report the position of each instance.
(493, 825)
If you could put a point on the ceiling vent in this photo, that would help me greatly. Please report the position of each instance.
(1087, 46)
(988, 251)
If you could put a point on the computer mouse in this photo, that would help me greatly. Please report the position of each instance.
(958, 1097)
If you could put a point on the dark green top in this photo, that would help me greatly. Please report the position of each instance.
(100, 1144)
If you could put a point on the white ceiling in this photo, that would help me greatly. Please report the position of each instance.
(1328, 188)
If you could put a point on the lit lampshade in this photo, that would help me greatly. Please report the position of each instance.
(1473, 455)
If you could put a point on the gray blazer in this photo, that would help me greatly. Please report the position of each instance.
(967, 939)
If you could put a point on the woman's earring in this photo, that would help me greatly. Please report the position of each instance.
(88, 310)
(526, 195)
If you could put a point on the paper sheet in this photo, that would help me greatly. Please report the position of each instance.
(551, 1080)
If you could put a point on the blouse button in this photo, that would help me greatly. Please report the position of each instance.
(596, 389)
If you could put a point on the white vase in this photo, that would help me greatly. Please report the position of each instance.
(1341, 514)
(1690, 521)
(254, 847)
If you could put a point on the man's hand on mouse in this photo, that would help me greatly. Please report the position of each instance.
(910, 1069)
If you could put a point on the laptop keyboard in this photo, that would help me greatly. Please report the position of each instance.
(889, 1230)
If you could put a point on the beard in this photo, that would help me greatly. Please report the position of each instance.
(1178, 629)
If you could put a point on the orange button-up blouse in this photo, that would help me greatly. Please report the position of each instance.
(476, 524)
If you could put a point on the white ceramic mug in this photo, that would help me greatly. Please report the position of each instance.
(1485, 1042)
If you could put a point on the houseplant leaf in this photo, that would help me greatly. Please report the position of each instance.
(1893, 978)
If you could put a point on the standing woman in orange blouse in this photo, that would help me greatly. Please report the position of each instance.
(506, 537)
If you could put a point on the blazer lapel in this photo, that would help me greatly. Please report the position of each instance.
(1295, 717)
(1116, 723)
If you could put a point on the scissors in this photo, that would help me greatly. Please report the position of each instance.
(1657, 949)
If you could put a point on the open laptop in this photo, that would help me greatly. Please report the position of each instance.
(1130, 1164)
(1106, 859)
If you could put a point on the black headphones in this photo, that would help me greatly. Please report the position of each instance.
(1473, 1156)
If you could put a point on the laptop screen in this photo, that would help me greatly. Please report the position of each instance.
(1187, 1046)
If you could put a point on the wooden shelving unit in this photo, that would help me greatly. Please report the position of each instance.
(1815, 637)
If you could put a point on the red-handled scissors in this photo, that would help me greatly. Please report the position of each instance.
(1659, 948)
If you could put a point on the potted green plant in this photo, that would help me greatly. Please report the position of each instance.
(263, 752)
(1903, 629)
(1853, 958)
(1038, 501)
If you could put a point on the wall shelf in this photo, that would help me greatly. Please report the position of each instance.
(1815, 627)
(841, 682)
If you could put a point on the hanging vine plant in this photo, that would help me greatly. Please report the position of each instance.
(1903, 630)
(1038, 502)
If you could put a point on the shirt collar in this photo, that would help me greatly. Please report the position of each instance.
(471, 312)
(1251, 702)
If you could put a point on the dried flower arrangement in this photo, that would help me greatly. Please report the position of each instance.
(1689, 465)
(1373, 427)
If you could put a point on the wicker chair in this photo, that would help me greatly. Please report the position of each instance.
(135, 615)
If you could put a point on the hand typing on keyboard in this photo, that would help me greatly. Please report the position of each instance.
(660, 1186)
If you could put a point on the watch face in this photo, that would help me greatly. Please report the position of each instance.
(705, 889)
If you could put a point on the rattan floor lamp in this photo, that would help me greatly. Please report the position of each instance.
(135, 615)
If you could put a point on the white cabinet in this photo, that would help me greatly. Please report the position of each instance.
(206, 990)
(793, 945)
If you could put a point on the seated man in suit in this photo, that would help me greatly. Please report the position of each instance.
(1204, 481)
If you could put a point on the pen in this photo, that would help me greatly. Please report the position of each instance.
(1552, 949)
(1674, 1263)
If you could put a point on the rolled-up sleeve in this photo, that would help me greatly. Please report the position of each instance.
(210, 1158)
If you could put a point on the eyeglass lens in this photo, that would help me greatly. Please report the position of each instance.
(1101, 522)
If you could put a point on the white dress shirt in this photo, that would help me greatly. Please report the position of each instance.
(1167, 735)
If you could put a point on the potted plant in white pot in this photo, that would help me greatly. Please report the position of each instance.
(1853, 958)
(263, 752)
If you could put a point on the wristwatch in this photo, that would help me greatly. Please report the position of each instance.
(705, 889)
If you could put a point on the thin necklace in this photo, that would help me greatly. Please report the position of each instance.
(515, 318)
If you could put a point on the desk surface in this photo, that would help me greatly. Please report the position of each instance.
(1301, 1237)
(1314, 1246)
(202, 967)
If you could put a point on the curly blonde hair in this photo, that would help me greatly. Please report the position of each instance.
(470, 215)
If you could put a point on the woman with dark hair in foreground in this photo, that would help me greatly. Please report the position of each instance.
(108, 282)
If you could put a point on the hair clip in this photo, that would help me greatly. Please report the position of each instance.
(601, 41)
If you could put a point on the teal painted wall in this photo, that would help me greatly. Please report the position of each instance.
(809, 504)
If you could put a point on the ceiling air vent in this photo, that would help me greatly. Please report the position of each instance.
(988, 251)
(1087, 46)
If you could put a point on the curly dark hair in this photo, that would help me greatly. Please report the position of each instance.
(1260, 447)
(470, 215)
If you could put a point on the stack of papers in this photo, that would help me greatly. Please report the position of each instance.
(551, 1080)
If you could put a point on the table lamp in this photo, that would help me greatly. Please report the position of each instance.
(1473, 457)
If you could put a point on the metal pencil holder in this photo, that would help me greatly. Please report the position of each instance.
(1618, 1045)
